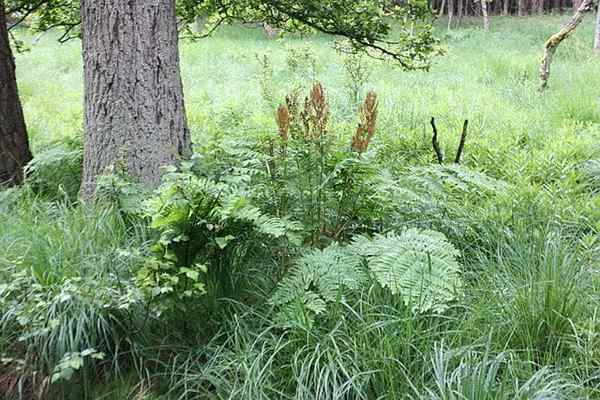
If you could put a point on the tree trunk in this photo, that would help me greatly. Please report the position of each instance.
(450, 12)
(597, 39)
(134, 109)
(442, 7)
(200, 24)
(486, 17)
(506, 8)
(555, 40)
(14, 146)
(522, 8)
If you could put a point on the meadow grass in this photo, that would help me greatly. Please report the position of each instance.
(526, 323)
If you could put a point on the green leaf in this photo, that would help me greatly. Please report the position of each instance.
(223, 241)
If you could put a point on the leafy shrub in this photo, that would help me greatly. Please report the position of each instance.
(54, 328)
(205, 228)
(319, 278)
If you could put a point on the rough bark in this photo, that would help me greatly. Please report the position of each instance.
(486, 17)
(555, 40)
(134, 109)
(14, 145)
(597, 38)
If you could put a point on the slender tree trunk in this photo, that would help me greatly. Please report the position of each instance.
(597, 38)
(556, 6)
(486, 17)
(14, 145)
(522, 8)
(506, 8)
(556, 39)
(450, 12)
(442, 7)
(199, 24)
(134, 109)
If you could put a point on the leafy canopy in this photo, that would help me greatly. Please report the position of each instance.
(394, 30)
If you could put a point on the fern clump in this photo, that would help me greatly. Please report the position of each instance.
(419, 265)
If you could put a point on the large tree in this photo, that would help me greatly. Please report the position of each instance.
(14, 145)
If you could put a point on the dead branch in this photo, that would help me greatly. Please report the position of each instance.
(436, 145)
(461, 146)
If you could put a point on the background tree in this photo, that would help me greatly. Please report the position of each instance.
(555, 40)
(14, 144)
(597, 37)
(486, 16)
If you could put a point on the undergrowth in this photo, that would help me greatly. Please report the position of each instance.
(314, 247)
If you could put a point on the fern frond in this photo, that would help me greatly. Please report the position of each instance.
(318, 278)
(419, 265)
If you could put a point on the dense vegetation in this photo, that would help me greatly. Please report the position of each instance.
(317, 249)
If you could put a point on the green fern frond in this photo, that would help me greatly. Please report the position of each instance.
(419, 265)
(455, 177)
(591, 169)
(318, 278)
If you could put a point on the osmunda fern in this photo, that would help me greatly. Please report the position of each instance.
(418, 265)
(318, 278)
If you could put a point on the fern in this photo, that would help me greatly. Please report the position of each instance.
(592, 170)
(449, 178)
(419, 265)
(319, 277)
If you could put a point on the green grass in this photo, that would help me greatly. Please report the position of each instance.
(525, 325)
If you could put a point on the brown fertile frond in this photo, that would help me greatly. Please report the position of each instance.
(316, 113)
(368, 121)
(283, 122)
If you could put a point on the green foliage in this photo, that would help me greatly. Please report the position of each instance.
(56, 171)
(366, 24)
(420, 266)
(468, 375)
(204, 226)
(319, 278)
(522, 209)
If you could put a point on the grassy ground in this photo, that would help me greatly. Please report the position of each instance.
(526, 326)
